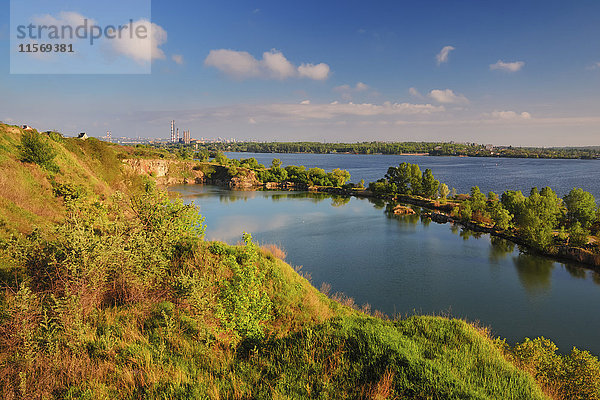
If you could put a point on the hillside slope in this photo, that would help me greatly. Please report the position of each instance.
(125, 299)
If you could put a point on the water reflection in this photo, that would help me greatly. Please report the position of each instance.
(535, 273)
(467, 234)
(576, 272)
(339, 201)
(500, 249)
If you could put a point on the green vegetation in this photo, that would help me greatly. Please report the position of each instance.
(117, 295)
(430, 148)
(36, 149)
(542, 220)
(298, 175)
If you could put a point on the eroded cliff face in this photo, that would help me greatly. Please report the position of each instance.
(167, 172)
(173, 172)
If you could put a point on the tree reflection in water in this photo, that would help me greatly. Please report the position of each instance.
(500, 249)
(535, 273)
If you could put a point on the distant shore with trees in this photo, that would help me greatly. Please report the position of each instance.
(403, 148)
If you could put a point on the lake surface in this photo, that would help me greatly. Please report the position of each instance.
(490, 174)
(402, 265)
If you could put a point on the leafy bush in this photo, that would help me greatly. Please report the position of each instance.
(244, 304)
(36, 149)
(571, 376)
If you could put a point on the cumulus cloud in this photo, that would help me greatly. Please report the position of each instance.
(178, 58)
(273, 65)
(278, 66)
(317, 72)
(142, 49)
(442, 56)
(415, 93)
(510, 115)
(347, 91)
(237, 64)
(447, 97)
(507, 66)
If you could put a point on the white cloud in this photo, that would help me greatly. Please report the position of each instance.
(594, 66)
(442, 56)
(447, 97)
(347, 91)
(510, 115)
(306, 111)
(317, 72)
(178, 58)
(273, 65)
(237, 64)
(142, 48)
(335, 109)
(68, 18)
(277, 65)
(507, 66)
(415, 93)
(361, 86)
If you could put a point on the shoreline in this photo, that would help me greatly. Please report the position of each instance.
(423, 155)
(168, 173)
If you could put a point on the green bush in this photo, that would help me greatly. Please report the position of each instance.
(36, 149)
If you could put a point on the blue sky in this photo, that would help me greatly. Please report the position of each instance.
(514, 72)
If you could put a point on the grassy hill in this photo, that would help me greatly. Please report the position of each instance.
(117, 295)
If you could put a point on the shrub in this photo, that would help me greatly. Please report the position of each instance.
(36, 149)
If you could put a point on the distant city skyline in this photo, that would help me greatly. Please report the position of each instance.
(504, 73)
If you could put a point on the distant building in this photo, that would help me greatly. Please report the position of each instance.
(82, 136)
(26, 128)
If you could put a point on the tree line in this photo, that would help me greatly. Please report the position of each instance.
(299, 175)
(430, 148)
(542, 219)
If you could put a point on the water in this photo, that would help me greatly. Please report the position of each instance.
(403, 265)
(490, 174)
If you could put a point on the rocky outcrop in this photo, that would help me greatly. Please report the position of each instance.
(403, 210)
(175, 172)
(247, 180)
(168, 172)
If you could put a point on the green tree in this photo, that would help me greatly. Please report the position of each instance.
(581, 207)
(221, 158)
(499, 215)
(276, 163)
(578, 235)
(539, 217)
(429, 184)
(477, 200)
(444, 191)
(400, 177)
(514, 203)
(415, 180)
(338, 177)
